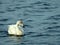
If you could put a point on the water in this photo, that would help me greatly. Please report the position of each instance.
(41, 19)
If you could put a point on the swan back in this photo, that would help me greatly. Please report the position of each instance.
(16, 29)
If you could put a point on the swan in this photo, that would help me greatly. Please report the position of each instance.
(16, 29)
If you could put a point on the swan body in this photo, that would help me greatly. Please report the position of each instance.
(16, 29)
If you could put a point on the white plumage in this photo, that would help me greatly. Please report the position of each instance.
(16, 29)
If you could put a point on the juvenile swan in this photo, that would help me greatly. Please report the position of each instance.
(16, 29)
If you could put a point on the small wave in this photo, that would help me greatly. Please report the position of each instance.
(23, 7)
(48, 8)
(55, 17)
(1, 2)
(46, 4)
(9, 10)
(53, 27)
(53, 31)
(29, 33)
(29, 20)
(38, 35)
(2, 11)
(3, 19)
(38, 2)
(4, 36)
(50, 23)
(17, 7)
(1, 24)
(28, 26)
(3, 33)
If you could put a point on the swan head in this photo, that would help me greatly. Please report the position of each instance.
(19, 23)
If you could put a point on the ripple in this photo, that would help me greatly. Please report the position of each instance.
(50, 23)
(3, 19)
(55, 17)
(10, 10)
(29, 33)
(20, 7)
(28, 26)
(46, 4)
(2, 11)
(3, 36)
(17, 7)
(1, 2)
(53, 27)
(29, 20)
(40, 34)
(38, 2)
(54, 31)
(49, 8)
(3, 33)
(1, 24)
(43, 6)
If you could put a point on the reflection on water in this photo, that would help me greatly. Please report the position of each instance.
(41, 21)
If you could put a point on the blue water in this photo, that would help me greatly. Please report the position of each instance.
(41, 19)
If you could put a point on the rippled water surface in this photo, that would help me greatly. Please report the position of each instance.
(41, 19)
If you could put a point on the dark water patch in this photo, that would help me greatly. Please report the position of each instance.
(25, 14)
(3, 36)
(27, 6)
(18, 4)
(10, 10)
(47, 43)
(1, 24)
(29, 33)
(53, 27)
(48, 8)
(46, 4)
(37, 15)
(43, 7)
(39, 35)
(38, 10)
(29, 20)
(29, 11)
(3, 19)
(38, 2)
(1, 2)
(23, 7)
(57, 34)
(17, 7)
(50, 23)
(2, 11)
(54, 23)
(35, 10)
(28, 26)
(3, 33)
(53, 31)
(41, 3)
(55, 17)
